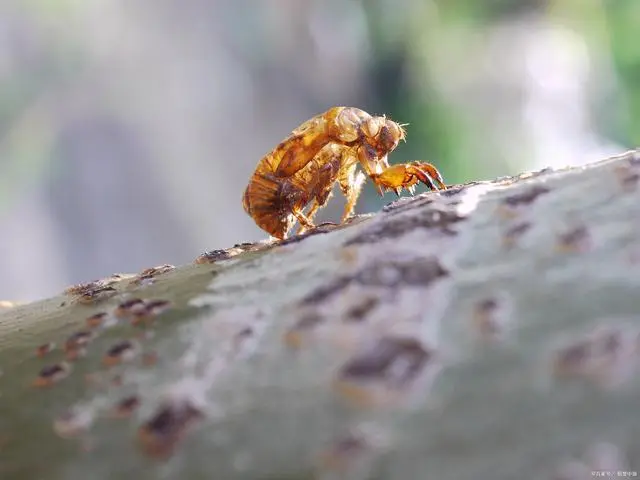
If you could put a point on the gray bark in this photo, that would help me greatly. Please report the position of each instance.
(490, 331)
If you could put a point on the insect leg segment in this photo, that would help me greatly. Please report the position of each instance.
(308, 218)
(351, 182)
(305, 223)
(372, 164)
(407, 175)
(317, 203)
(321, 174)
(426, 171)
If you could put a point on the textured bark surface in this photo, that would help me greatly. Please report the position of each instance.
(490, 331)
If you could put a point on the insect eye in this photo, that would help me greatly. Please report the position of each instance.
(395, 130)
(387, 139)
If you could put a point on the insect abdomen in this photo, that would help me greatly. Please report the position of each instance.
(265, 200)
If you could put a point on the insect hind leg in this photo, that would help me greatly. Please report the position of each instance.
(317, 203)
(305, 222)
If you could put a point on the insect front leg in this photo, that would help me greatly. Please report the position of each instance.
(407, 175)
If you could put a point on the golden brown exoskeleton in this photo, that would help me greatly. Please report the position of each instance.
(328, 148)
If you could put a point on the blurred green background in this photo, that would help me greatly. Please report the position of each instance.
(128, 129)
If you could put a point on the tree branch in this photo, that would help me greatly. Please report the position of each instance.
(488, 331)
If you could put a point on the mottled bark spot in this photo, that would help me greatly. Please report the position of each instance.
(393, 361)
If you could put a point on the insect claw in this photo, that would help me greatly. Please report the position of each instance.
(412, 189)
(397, 190)
(380, 190)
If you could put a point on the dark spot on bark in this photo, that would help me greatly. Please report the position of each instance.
(572, 358)
(325, 227)
(454, 190)
(394, 361)
(161, 433)
(148, 275)
(214, 255)
(242, 336)
(308, 320)
(120, 348)
(167, 419)
(526, 197)
(415, 272)
(440, 219)
(628, 177)
(609, 343)
(127, 405)
(81, 288)
(487, 306)
(321, 294)
(52, 370)
(349, 444)
(77, 340)
(103, 289)
(44, 349)
(51, 374)
(95, 294)
(244, 333)
(159, 270)
(126, 307)
(394, 227)
(392, 273)
(518, 230)
(358, 312)
(407, 203)
(486, 318)
(249, 247)
(536, 173)
(345, 448)
(515, 232)
(156, 307)
(574, 238)
(612, 343)
(96, 319)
